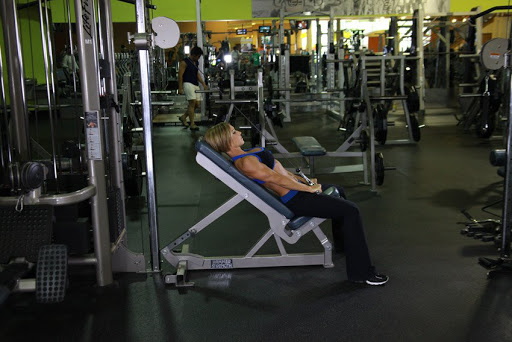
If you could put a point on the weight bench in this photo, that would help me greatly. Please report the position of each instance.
(311, 148)
(284, 226)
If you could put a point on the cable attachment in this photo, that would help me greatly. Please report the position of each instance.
(19, 204)
(300, 173)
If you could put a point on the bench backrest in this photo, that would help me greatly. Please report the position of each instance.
(205, 149)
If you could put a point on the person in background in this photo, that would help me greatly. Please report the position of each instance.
(189, 78)
(69, 63)
(255, 57)
(235, 56)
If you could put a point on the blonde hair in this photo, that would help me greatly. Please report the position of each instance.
(219, 137)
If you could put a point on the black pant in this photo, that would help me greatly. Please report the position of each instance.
(347, 226)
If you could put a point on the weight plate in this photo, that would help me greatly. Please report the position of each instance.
(349, 124)
(380, 123)
(379, 169)
(413, 99)
(493, 53)
(415, 127)
(363, 140)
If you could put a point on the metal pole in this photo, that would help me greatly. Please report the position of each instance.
(284, 66)
(6, 139)
(116, 138)
(507, 191)
(200, 43)
(319, 69)
(89, 79)
(16, 74)
(44, 26)
(331, 71)
(75, 80)
(420, 69)
(148, 142)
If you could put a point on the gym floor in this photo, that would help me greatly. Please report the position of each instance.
(436, 292)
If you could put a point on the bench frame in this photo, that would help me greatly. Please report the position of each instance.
(184, 260)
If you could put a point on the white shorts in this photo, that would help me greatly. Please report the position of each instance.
(190, 91)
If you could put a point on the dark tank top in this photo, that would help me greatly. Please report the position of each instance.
(190, 74)
(264, 156)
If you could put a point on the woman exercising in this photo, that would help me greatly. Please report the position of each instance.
(302, 199)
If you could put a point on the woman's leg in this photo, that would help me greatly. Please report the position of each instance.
(345, 215)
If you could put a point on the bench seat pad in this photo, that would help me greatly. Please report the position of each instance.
(309, 146)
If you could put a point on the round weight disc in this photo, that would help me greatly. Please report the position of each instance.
(167, 32)
(415, 127)
(493, 53)
(363, 140)
(413, 99)
(381, 124)
(349, 125)
(379, 169)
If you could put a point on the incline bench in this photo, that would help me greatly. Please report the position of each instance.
(284, 225)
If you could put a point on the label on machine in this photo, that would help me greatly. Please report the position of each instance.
(222, 263)
(92, 134)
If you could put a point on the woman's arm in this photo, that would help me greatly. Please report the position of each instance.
(278, 167)
(252, 168)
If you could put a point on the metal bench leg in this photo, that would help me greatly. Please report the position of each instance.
(312, 166)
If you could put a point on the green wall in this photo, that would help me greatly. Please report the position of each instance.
(31, 46)
(467, 5)
(184, 10)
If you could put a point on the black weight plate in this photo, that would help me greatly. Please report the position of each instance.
(363, 141)
(415, 127)
(379, 168)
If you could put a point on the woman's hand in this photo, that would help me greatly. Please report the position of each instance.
(316, 189)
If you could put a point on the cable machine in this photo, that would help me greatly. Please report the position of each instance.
(25, 198)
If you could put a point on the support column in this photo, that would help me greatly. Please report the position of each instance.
(319, 73)
(200, 43)
(148, 138)
(16, 74)
(115, 142)
(90, 80)
(420, 69)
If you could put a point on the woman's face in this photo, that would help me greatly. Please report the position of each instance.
(236, 137)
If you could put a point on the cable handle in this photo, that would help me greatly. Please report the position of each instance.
(300, 173)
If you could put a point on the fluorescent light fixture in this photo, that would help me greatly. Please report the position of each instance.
(186, 49)
(227, 58)
(306, 12)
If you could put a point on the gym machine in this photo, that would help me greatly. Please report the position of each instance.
(496, 55)
(27, 200)
(483, 106)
